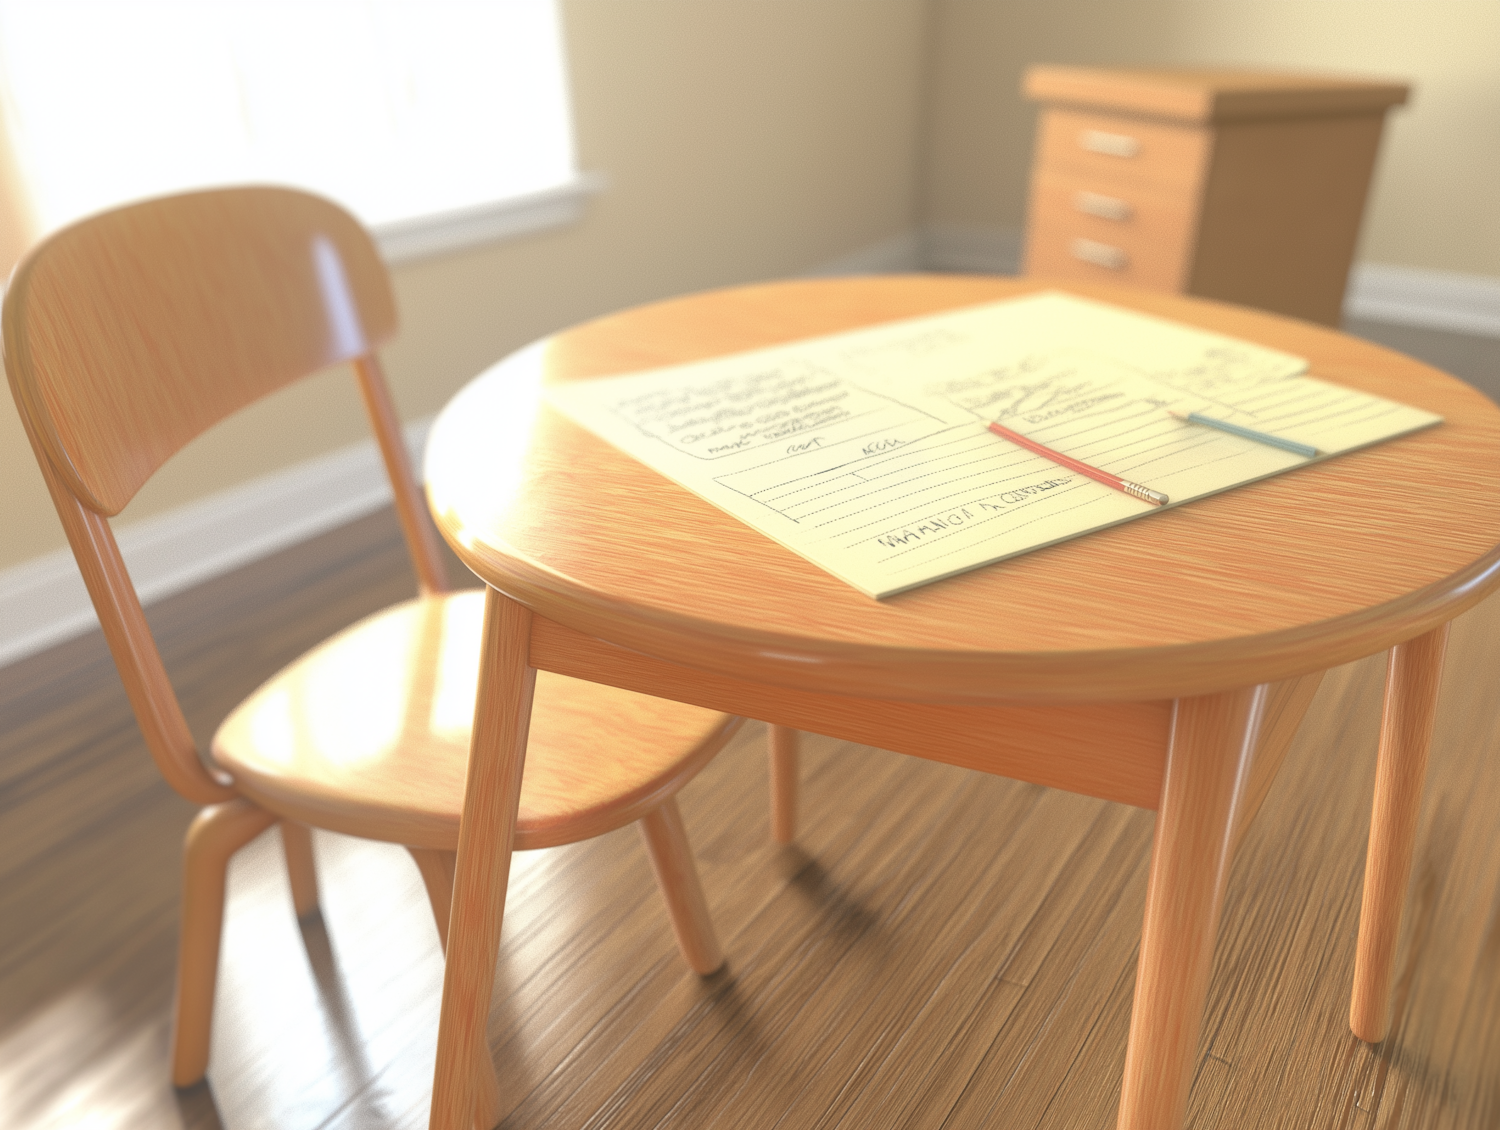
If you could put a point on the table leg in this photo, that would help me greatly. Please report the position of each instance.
(1208, 786)
(1411, 690)
(783, 742)
(486, 835)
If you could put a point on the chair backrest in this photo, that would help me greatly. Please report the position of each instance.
(129, 333)
(134, 331)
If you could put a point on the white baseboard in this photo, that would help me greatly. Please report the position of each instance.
(936, 247)
(1410, 296)
(964, 247)
(43, 601)
(899, 253)
(1378, 292)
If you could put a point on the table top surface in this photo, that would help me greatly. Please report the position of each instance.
(1300, 572)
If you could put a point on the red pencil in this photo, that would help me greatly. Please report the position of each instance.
(1135, 490)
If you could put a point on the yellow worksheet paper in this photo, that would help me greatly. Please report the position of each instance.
(868, 452)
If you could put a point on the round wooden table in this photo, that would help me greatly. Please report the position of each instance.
(1163, 663)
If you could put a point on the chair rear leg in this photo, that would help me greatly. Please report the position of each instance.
(676, 875)
(213, 837)
(296, 840)
(437, 876)
(783, 743)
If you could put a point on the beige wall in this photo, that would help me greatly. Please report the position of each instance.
(747, 139)
(742, 139)
(1434, 202)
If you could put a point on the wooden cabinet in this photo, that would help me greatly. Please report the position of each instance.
(1246, 186)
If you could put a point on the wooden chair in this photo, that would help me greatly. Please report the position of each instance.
(130, 333)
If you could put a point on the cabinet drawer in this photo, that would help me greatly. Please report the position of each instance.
(1132, 234)
(1153, 229)
(1118, 150)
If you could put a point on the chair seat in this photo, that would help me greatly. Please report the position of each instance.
(368, 734)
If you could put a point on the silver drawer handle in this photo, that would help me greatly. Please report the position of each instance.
(1105, 207)
(1100, 254)
(1110, 144)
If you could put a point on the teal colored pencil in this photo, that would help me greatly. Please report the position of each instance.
(1249, 433)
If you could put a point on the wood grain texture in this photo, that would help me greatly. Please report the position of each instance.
(1210, 94)
(1291, 575)
(604, 616)
(436, 869)
(1259, 180)
(132, 332)
(383, 753)
(427, 558)
(591, 614)
(1286, 704)
(1114, 751)
(672, 864)
(1210, 765)
(214, 836)
(123, 621)
(782, 743)
(261, 286)
(1411, 697)
(941, 947)
(497, 756)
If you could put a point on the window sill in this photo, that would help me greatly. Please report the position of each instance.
(406, 240)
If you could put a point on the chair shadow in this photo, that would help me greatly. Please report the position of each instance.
(350, 1058)
(197, 1108)
(843, 913)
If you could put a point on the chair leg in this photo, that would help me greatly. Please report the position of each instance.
(213, 837)
(437, 876)
(1411, 690)
(296, 841)
(677, 876)
(783, 741)
(1210, 768)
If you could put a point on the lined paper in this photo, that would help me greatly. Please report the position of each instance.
(869, 454)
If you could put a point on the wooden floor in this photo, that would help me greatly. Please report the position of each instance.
(940, 949)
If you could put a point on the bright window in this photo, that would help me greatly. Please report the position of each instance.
(399, 109)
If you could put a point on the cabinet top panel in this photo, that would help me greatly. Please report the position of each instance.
(1210, 95)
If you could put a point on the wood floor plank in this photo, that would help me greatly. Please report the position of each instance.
(793, 953)
(941, 1046)
(740, 883)
(937, 949)
(841, 1029)
(1024, 1065)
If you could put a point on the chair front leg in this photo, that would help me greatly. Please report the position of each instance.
(1414, 670)
(1208, 784)
(215, 834)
